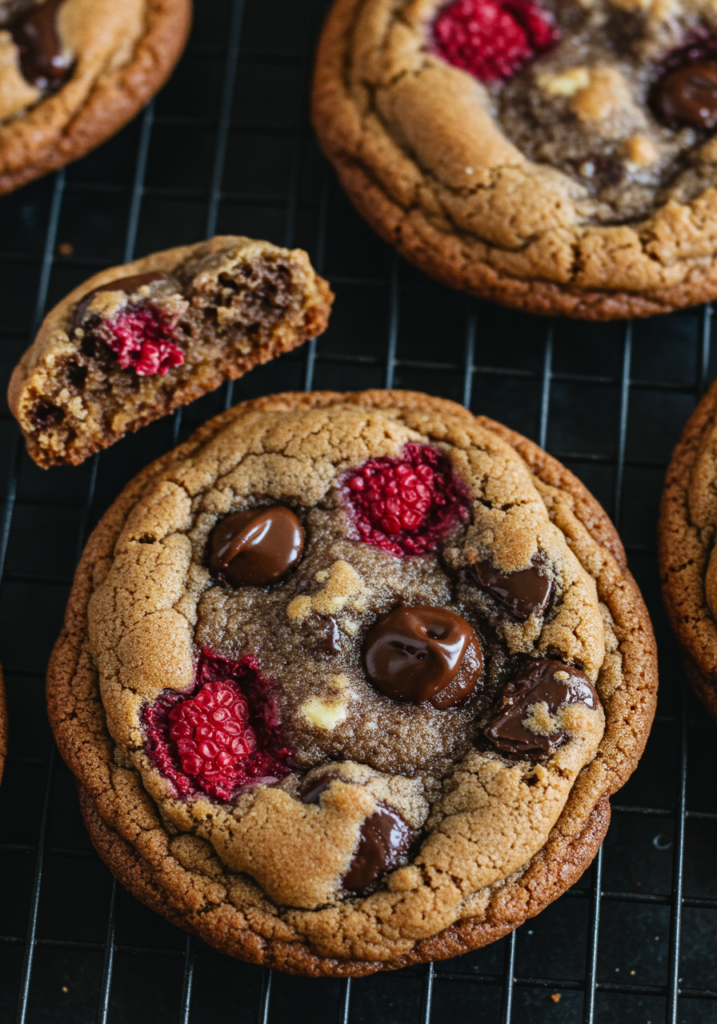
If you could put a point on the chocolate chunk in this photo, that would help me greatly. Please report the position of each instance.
(311, 791)
(41, 59)
(423, 654)
(256, 546)
(550, 682)
(384, 839)
(124, 284)
(520, 593)
(688, 95)
(324, 635)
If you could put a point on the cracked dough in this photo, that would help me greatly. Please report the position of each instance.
(258, 877)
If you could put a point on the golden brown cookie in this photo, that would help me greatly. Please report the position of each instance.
(688, 518)
(551, 155)
(73, 72)
(135, 342)
(346, 681)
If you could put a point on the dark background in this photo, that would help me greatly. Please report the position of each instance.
(227, 147)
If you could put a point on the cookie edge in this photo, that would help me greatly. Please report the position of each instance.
(672, 548)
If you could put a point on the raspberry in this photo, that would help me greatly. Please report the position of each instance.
(223, 736)
(140, 338)
(405, 505)
(493, 39)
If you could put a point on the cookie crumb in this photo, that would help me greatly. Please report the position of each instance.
(555, 997)
(65, 988)
(65, 249)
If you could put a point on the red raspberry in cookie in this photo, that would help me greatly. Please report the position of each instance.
(406, 505)
(140, 337)
(221, 737)
(493, 39)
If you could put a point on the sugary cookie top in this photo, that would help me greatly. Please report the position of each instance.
(48, 45)
(348, 649)
(560, 141)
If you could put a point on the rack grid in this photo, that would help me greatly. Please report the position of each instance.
(227, 147)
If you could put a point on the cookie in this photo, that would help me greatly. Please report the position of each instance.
(3, 724)
(347, 681)
(73, 72)
(551, 155)
(138, 341)
(688, 519)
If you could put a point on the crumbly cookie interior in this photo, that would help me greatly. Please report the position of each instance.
(206, 317)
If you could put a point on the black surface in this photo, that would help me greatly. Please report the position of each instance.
(227, 147)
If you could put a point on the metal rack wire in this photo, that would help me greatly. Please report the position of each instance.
(227, 147)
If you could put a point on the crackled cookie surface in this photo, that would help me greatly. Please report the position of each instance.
(557, 156)
(137, 341)
(352, 667)
(688, 565)
(72, 72)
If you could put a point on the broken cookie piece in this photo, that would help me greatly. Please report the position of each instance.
(136, 342)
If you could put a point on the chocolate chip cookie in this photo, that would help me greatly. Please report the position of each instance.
(553, 155)
(136, 342)
(73, 72)
(347, 681)
(688, 565)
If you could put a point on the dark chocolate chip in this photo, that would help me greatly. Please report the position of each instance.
(688, 95)
(540, 682)
(423, 654)
(41, 59)
(323, 634)
(123, 284)
(520, 593)
(311, 791)
(256, 546)
(384, 840)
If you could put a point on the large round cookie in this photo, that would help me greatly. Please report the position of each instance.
(73, 72)
(557, 157)
(252, 762)
(688, 565)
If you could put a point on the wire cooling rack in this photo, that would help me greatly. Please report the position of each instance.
(227, 147)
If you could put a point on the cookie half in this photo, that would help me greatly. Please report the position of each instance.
(136, 342)
(551, 155)
(347, 681)
(686, 532)
(73, 72)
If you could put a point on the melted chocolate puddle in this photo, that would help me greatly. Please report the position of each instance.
(36, 36)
